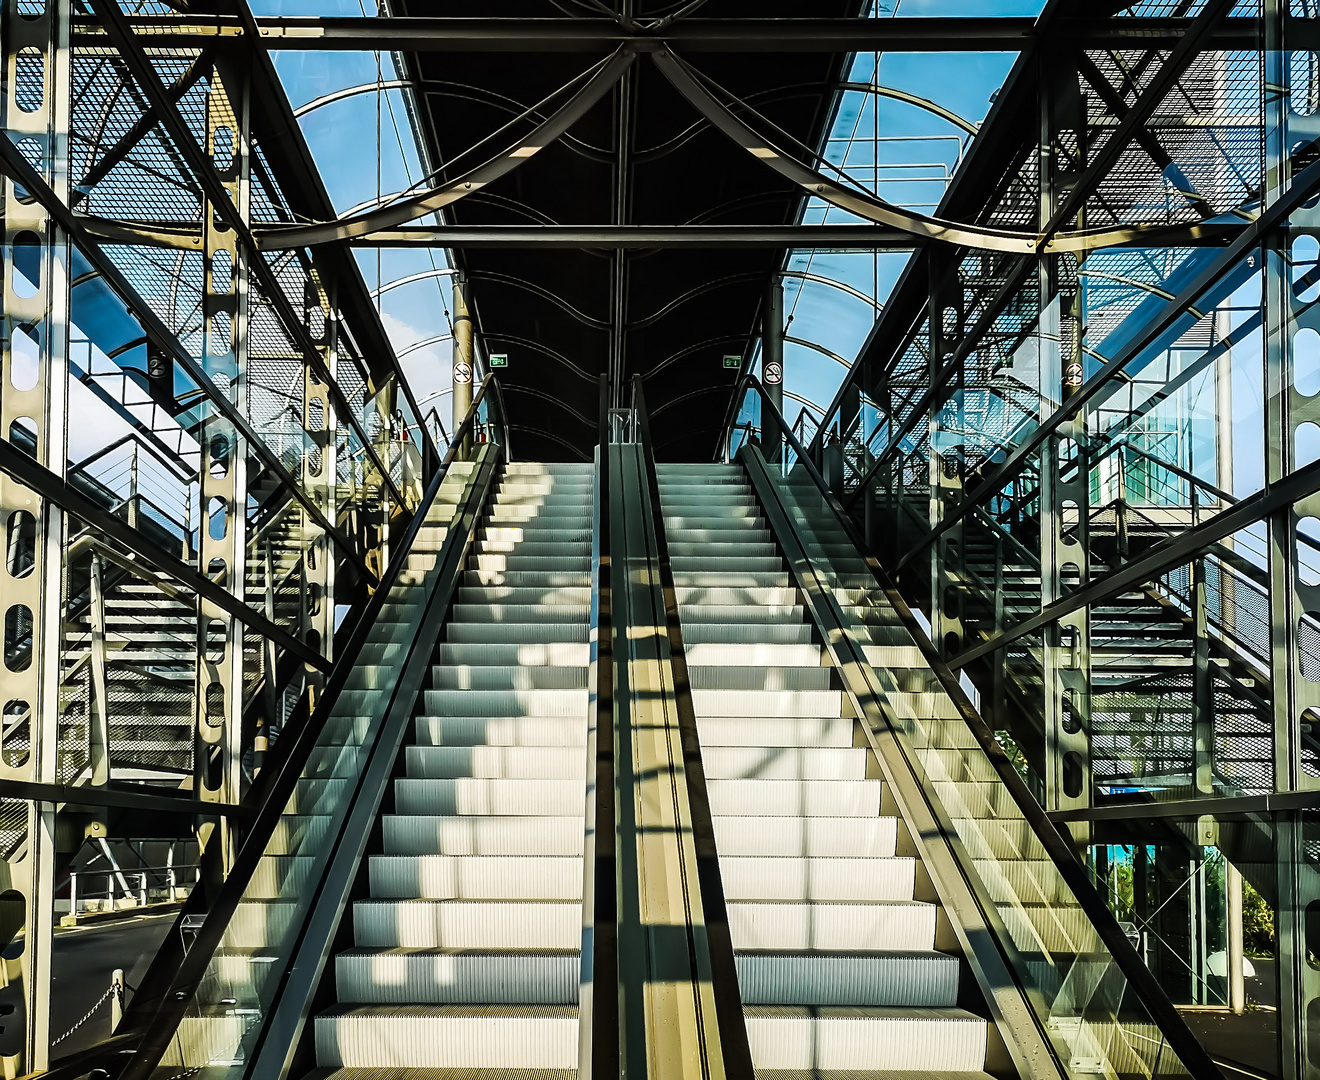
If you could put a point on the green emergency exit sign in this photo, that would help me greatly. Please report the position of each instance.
(499, 360)
(734, 362)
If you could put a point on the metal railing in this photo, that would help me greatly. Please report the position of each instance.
(178, 973)
(1073, 961)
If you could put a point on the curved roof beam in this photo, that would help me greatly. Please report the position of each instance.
(544, 294)
(451, 89)
(528, 391)
(861, 202)
(399, 283)
(673, 358)
(601, 82)
(540, 434)
(701, 392)
(676, 142)
(418, 345)
(544, 350)
(348, 92)
(821, 279)
(820, 349)
(692, 294)
(813, 410)
(734, 279)
(894, 94)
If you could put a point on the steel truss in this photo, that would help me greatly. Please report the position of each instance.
(268, 389)
(1139, 629)
(169, 600)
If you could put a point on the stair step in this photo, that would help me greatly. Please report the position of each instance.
(507, 702)
(500, 731)
(497, 762)
(826, 1038)
(475, 877)
(874, 979)
(507, 677)
(789, 798)
(766, 732)
(444, 976)
(467, 924)
(796, 878)
(518, 798)
(783, 677)
(463, 1036)
(517, 633)
(433, 834)
(782, 762)
(841, 837)
(806, 703)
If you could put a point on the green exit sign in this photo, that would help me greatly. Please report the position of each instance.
(734, 362)
(499, 360)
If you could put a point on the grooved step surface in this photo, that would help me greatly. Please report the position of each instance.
(466, 959)
(464, 1036)
(837, 968)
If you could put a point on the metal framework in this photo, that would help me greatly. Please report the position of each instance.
(1081, 432)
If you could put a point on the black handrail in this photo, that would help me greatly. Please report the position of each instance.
(1148, 990)
(167, 990)
(734, 1046)
(604, 955)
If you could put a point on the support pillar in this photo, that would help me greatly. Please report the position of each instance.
(464, 355)
(34, 343)
(947, 581)
(772, 367)
(319, 476)
(1064, 480)
(225, 309)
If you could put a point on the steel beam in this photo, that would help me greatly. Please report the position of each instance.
(750, 35)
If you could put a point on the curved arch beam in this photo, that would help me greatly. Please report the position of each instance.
(417, 346)
(739, 339)
(894, 94)
(348, 92)
(399, 283)
(821, 279)
(544, 294)
(820, 349)
(540, 434)
(528, 391)
(813, 410)
(867, 206)
(544, 350)
(778, 94)
(692, 294)
(546, 132)
(701, 392)
(432, 86)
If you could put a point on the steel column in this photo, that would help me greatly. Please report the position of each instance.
(463, 357)
(772, 365)
(223, 547)
(32, 416)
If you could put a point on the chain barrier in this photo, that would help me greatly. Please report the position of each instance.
(92, 1012)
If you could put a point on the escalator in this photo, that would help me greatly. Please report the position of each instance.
(806, 824)
(466, 950)
(836, 957)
